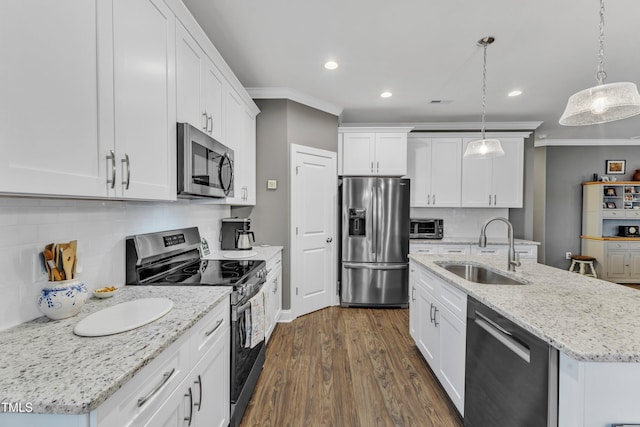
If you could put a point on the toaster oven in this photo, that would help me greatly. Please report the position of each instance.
(427, 228)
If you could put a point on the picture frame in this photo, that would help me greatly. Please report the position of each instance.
(616, 167)
(610, 192)
(611, 205)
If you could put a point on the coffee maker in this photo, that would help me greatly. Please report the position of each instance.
(230, 230)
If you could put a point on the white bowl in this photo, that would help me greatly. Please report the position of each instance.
(104, 294)
(59, 300)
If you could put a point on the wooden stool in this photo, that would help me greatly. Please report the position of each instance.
(583, 261)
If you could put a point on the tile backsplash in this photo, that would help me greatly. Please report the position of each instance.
(466, 222)
(28, 224)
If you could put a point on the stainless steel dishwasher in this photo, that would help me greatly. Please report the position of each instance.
(511, 376)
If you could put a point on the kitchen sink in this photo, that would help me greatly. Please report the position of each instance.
(479, 274)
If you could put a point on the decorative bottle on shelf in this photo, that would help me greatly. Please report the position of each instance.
(636, 175)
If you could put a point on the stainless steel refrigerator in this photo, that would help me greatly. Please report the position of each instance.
(375, 241)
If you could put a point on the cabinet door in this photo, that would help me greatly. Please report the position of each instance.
(268, 290)
(617, 267)
(49, 113)
(211, 386)
(634, 264)
(249, 158)
(213, 83)
(418, 171)
(508, 174)
(445, 172)
(358, 153)
(451, 369)
(414, 306)
(190, 60)
(428, 340)
(476, 181)
(390, 154)
(175, 411)
(233, 138)
(145, 98)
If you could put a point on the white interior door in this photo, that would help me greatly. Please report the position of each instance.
(314, 193)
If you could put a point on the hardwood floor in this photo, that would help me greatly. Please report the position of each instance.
(347, 367)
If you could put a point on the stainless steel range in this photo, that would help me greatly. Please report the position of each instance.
(172, 258)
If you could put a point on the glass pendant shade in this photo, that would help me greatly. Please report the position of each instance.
(483, 149)
(601, 104)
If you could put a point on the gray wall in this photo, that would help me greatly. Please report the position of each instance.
(279, 124)
(566, 169)
(522, 218)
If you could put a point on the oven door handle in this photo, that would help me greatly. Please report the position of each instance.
(237, 312)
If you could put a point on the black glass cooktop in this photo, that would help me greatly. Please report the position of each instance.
(208, 273)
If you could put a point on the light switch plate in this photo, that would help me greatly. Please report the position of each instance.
(272, 184)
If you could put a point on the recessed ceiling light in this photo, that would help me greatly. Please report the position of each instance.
(516, 92)
(331, 65)
(386, 94)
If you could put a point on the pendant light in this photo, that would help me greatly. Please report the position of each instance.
(484, 148)
(605, 102)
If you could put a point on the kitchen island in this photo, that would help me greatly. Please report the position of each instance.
(594, 324)
(46, 369)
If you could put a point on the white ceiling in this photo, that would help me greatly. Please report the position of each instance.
(423, 50)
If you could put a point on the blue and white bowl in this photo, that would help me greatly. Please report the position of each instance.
(59, 300)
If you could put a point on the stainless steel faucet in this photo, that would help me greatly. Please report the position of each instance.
(513, 259)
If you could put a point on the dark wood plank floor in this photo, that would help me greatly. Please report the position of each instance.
(347, 367)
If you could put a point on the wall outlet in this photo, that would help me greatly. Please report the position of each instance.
(567, 255)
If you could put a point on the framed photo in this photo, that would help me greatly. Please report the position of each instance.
(611, 205)
(615, 167)
(610, 192)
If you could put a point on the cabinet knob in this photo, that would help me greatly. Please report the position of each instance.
(329, 239)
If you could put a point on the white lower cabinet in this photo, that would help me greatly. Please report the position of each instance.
(273, 293)
(437, 322)
(524, 251)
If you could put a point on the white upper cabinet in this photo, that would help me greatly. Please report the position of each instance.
(49, 104)
(433, 165)
(496, 182)
(145, 98)
(374, 153)
(199, 85)
(93, 113)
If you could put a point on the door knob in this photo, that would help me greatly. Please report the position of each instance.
(329, 239)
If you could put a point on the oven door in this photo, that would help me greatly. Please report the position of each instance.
(205, 167)
(243, 358)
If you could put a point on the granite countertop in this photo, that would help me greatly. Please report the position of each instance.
(473, 240)
(588, 319)
(263, 252)
(43, 362)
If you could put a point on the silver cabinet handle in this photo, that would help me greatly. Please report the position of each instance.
(210, 120)
(206, 121)
(495, 200)
(198, 404)
(190, 396)
(215, 328)
(275, 286)
(435, 316)
(371, 167)
(431, 313)
(434, 200)
(489, 199)
(329, 239)
(165, 378)
(128, 181)
(413, 293)
(428, 199)
(112, 157)
(377, 167)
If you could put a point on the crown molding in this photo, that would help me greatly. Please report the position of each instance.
(457, 126)
(474, 134)
(294, 95)
(585, 142)
(389, 128)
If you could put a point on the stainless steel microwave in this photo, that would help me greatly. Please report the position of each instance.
(427, 228)
(205, 166)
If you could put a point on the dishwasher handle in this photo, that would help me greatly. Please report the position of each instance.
(503, 336)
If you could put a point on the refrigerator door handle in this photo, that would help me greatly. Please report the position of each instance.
(368, 266)
(378, 220)
(374, 219)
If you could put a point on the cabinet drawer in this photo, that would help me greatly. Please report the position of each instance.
(454, 299)
(141, 397)
(424, 248)
(621, 245)
(425, 279)
(613, 213)
(527, 251)
(208, 329)
(273, 264)
(489, 250)
(632, 213)
(455, 249)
